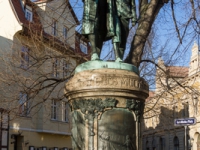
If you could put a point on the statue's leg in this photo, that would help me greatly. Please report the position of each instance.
(124, 27)
(99, 44)
(118, 58)
(117, 39)
(94, 53)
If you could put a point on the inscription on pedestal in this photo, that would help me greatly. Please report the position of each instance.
(113, 80)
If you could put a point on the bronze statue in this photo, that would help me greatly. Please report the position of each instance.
(129, 143)
(108, 19)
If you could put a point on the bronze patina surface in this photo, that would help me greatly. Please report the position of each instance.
(107, 105)
(108, 19)
(91, 65)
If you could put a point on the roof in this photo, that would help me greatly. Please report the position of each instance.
(41, 1)
(73, 13)
(151, 95)
(68, 4)
(177, 71)
(35, 27)
(19, 12)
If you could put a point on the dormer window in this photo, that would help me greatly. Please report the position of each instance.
(28, 15)
(65, 31)
(83, 47)
(24, 57)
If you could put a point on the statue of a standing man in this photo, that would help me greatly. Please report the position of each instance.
(108, 19)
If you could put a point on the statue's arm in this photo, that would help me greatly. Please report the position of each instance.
(133, 10)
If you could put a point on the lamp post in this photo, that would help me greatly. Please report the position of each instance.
(185, 137)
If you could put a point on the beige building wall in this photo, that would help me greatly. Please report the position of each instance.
(37, 128)
(58, 11)
(39, 121)
(39, 140)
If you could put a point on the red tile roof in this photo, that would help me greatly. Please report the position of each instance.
(68, 4)
(36, 26)
(177, 71)
(73, 13)
(18, 10)
(20, 14)
(151, 95)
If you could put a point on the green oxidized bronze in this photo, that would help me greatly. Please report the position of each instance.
(107, 104)
(115, 126)
(137, 106)
(108, 19)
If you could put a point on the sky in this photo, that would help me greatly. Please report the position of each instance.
(166, 36)
(165, 43)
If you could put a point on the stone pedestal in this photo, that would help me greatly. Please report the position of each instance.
(106, 101)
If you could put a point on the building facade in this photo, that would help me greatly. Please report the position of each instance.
(38, 56)
(176, 96)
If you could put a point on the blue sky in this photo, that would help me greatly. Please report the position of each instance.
(165, 42)
(166, 36)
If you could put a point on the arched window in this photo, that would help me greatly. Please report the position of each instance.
(154, 144)
(147, 145)
(176, 143)
(161, 143)
(175, 112)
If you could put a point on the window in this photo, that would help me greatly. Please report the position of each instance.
(54, 110)
(31, 148)
(195, 103)
(161, 143)
(147, 145)
(185, 110)
(24, 105)
(154, 144)
(4, 120)
(28, 15)
(24, 57)
(65, 69)
(53, 148)
(64, 112)
(153, 122)
(40, 148)
(65, 31)
(176, 143)
(175, 112)
(54, 28)
(83, 47)
(55, 68)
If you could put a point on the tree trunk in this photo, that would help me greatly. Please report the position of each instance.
(148, 14)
